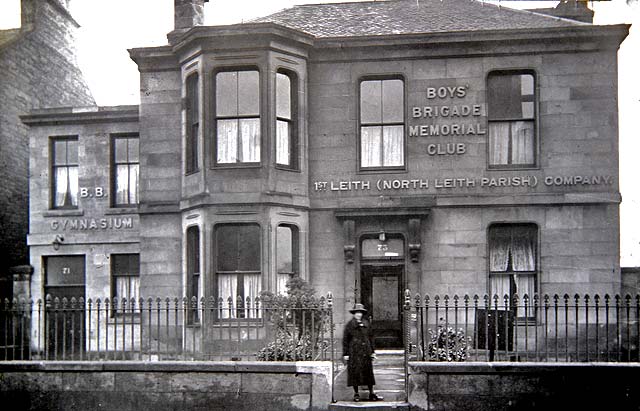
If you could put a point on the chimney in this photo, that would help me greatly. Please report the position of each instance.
(188, 13)
(27, 14)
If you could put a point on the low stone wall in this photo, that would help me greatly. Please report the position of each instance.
(158, 386)
(523, 386)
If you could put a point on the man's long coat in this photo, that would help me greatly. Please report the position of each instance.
(357, 343)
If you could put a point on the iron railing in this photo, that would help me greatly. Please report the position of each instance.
(547, 328)
(278, 328)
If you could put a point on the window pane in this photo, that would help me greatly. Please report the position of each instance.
(66, 270)
(528, 110)
(120, 150)
(283, 153)
(228, 290)
(193, 250)
(499, 245)
(284, 258)
(60, 152)
(371, 146)
(250, 140)
(522, 142)
(227, 93)
(61, 186)
(393, 145)
(72, 190)
(125, 264)
(374, 248)
(501, 286)
(249, 248)
(133, 150)
(371, 102)
(499, 143)
(227, 138)
(122, 184)
(283, 96)
(227, 247)
(526, 84)
(505, 96)
(72, 151)
(392, 101)
(248, 93)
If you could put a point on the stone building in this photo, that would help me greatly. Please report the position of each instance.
(38, 69)
(447, 147)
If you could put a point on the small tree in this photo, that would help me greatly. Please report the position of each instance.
(298, 319)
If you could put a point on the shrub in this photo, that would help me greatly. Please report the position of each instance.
(446, 344)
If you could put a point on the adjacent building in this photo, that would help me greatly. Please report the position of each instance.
(38, 69)
(442, 146)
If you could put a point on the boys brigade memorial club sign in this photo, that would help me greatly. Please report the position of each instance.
(461, 118)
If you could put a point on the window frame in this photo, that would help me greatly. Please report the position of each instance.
(294, 137)
(216, 118)
(240, 274)
(114, 171)
(193, 275)
(295, 252)
(53, 184)
(535, 121)
(510, 272)
(193, 118)
(381, 169)
(112, 280)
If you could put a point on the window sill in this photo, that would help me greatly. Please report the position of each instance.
(192, 172)
(390, 170)
(231, 166)
(285, 168)
(512, 168)
(121, 210)
(63, 213)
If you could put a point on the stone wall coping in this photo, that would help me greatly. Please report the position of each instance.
(271, 367)
(81, 115)
(513, 367)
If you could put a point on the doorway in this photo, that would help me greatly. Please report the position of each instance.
(381, 294)
(65, 320)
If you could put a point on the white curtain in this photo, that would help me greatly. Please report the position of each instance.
(282, 143)
(370, 146)
(66, 186)
(499, 143)
(128, 286)
(522, 151)
(252, 288)
(227, 141)
(525, 285)
(523, 249)
(250, 140)
(500, 286)
(122, 182)
(499, 245)
(393, 145)
(228, 287)
(133, 183)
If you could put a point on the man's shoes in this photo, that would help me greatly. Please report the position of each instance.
(356, 397)
(374, 397)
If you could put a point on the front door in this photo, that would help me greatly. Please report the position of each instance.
(382, 296)
(65, 319)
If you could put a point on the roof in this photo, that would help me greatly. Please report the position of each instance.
(390, 17)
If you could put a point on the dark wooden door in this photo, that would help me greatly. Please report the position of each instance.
(382, 296)
(65, 316)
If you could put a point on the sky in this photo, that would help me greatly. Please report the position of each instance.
(110, 27)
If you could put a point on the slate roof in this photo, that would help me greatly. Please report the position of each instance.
(407, 17)
(7, 37)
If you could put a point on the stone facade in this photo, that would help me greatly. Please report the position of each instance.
(439, 205)
(39, 69)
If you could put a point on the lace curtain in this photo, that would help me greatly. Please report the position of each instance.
(282, 143)
(127, 287)
(228, 288)
(238, 140)
(66, 186)
(513, 139)
(382, 146)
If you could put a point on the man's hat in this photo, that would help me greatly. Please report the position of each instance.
(358, 307)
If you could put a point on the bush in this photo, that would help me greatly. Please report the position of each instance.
(297, 320)
(446, 344)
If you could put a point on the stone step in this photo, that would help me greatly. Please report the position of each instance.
(370, 406)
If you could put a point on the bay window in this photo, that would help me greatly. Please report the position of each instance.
(238, 269)
(237, 116)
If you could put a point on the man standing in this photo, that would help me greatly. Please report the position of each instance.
(358, 353)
